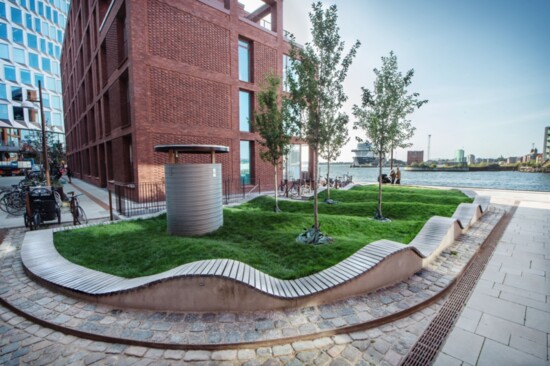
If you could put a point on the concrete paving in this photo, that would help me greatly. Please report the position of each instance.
(506, 320)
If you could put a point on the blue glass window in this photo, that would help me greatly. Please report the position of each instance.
(50, 49)
(43, 45)
(23, 3)
(245, 162)
(18, 114)
(4, 111)
(32, 41)
(60, 35)
(16, 16)
(3, 30)
(244, 111)
(56, 3)
(38, 77)
(45, 28)
(48, 12)
(46, 64)
(46, 101)
(34, 60)
(19, 55)
(9, 73)
(244, 60)
(41, 8)
(32, 5)
(28, 20)
(55, 16)
(56, 119)
(3, 91)
(2, 10)
(57, 52)
(50, 83)
(17, 93)
(17, 35)
(25, 77)
(4, 51)
(52, 32)
(56, 102)
(37, 25)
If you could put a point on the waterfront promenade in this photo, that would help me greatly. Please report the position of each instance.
(506, 320)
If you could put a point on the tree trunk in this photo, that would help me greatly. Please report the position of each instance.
(328, 179)
(380, 187)
(391, 160)
(276, 190)
(315, 199)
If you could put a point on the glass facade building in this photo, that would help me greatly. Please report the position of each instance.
(31, 36)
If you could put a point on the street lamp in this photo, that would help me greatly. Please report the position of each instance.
(29, 103)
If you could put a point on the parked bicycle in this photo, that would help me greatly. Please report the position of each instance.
(79, 216)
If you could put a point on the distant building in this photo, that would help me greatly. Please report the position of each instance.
(415, 157)
(546, 144)
(512, 160)
(471, 159)
(460, 156)
(532, 156)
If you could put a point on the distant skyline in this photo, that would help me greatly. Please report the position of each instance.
(484, 66)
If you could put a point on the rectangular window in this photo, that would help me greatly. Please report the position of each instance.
(23, 3)
(25, 77)
(33, 60)
(18, 114)
(3, 30)
(32, 5)
(3, 94)
(50, 49)
(37, 78)
(50, 83)
(4, 51)
(4, 112)
(3, 10)
(16, 16)
(43, 45)
(41, 8)
(46, 100)
(28, 21)
(46, 64)
(45, 28)
(37, 25)
(55, 16)
(244, 60)
(19, 55)
(245, 162)
(49, 13)
(56, 102)
(244, 110)
(9, 73)
(17, 93)
(60, 36)
(32, 41)
(17, 35)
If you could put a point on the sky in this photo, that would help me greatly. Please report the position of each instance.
(484, 66)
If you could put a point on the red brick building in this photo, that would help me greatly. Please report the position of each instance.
(415, 157)
(140, 73)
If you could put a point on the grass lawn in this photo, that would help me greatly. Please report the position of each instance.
(254, 234)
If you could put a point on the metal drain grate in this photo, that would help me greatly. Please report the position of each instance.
(426, 348)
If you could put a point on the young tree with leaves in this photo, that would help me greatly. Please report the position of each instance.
(337, 129)
(274, 128)
(315, 81)
(383, 112)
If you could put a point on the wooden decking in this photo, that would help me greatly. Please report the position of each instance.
(361, 271)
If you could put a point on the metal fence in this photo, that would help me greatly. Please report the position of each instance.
(146, 198)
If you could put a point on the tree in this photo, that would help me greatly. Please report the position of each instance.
(383, 112)
(33, 145)
(337, 129)
(315, 82)
(275, 130)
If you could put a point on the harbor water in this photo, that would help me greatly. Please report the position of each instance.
(486, 179)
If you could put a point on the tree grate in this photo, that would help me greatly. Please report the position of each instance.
(428, 345)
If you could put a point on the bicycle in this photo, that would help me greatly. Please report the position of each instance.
(79, 216)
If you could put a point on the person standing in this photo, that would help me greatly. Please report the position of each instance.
(392, 176)
(398, 176)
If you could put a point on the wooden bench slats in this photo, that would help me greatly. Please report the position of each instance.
(297, 288)
(221, 268)
(288, 289)
(228, 268)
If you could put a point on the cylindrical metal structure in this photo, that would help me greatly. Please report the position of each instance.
(194, 198)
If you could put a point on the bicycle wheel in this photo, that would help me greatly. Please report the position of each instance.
(81, 216)
(15, 204)
(37, 220)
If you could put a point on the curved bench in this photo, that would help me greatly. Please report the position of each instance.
(229, 285)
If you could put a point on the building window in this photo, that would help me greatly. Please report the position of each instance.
(46, 64)
(3, 10)
(244, 60)
(18, 114)
(17, 35)
(33, 60)
(37, 78)
(16, 93)
(28, 21)
(9, 73)
(3, 30)
(4, 51)
(32, 41)
(19, 55)
(25, 77)
(16, 16)
(246, 161)
(37, 25)
(296, 163)
(245, 108)
(3, 94)
(4, 112)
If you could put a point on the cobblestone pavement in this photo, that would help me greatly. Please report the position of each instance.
(23, 342)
